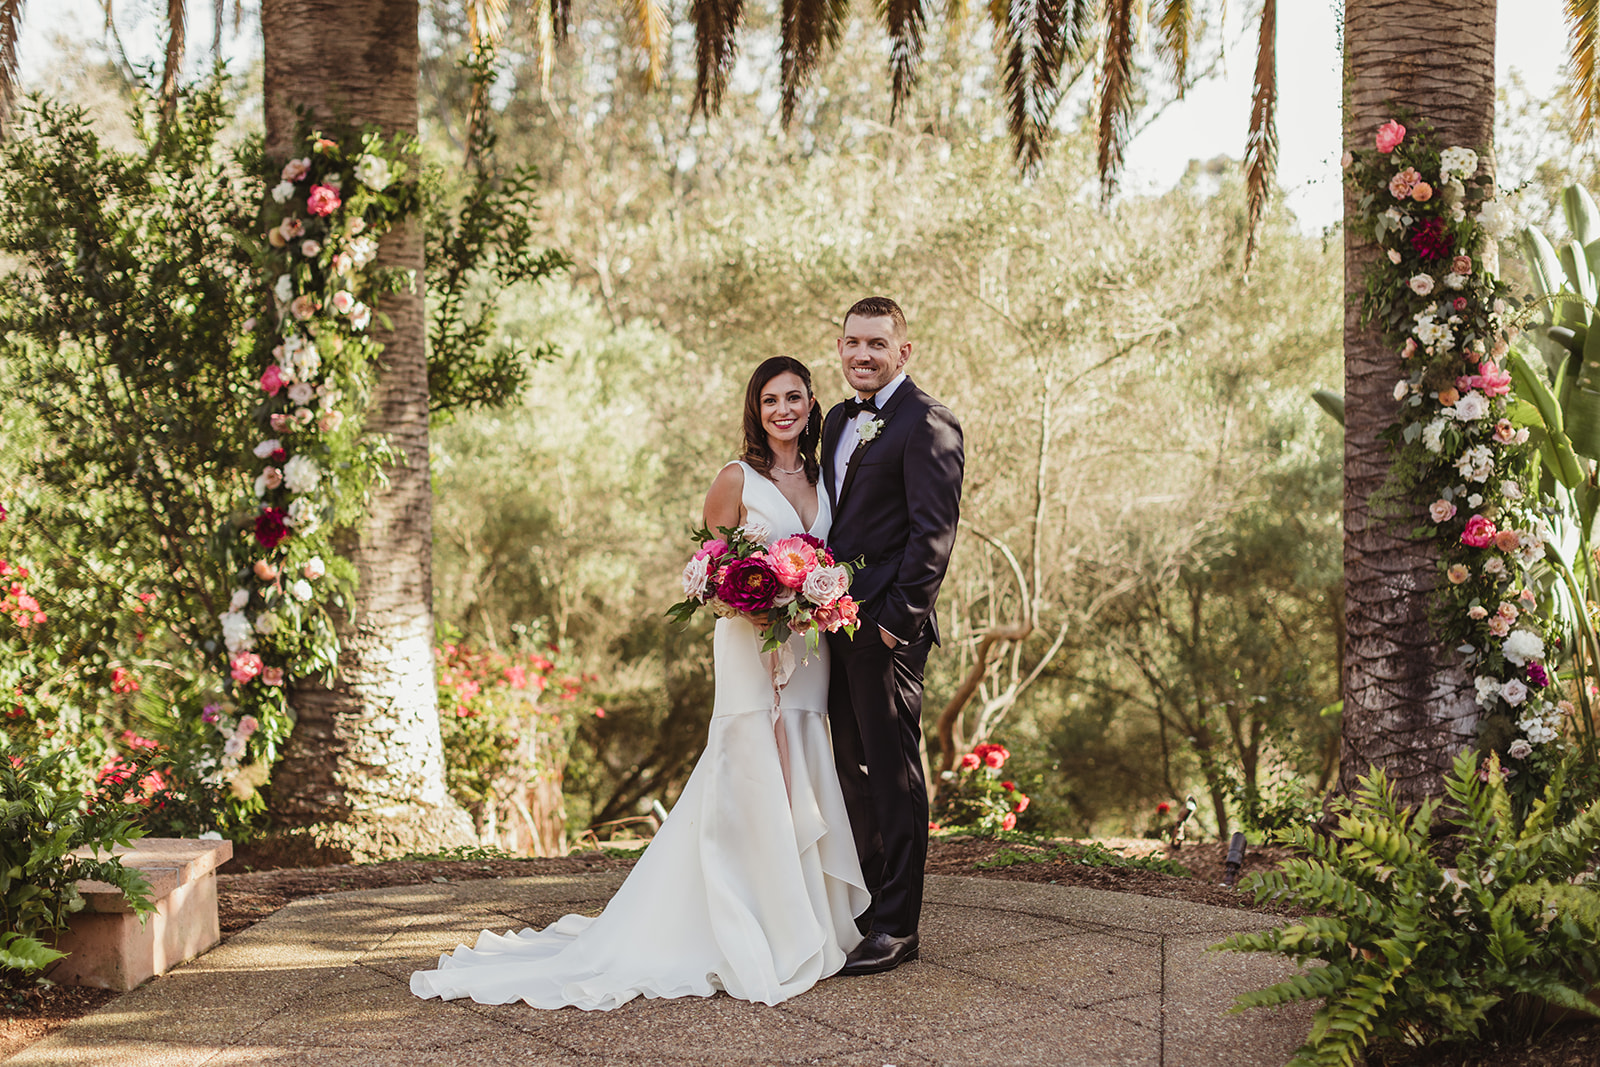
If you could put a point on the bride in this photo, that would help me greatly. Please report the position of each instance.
(752, 885)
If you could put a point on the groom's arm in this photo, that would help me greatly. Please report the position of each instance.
(933, 467)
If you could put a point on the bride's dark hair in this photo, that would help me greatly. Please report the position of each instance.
(757, 452)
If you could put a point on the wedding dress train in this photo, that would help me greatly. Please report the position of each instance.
(751, 885)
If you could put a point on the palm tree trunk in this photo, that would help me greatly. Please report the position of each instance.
(363, 772)
(1408, 704)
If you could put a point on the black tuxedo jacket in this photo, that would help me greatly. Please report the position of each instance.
(897, 508)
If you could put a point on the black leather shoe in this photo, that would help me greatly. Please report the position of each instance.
(878, 952)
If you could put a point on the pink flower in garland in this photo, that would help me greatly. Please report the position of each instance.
(1442, 510)
(1479, 532)
(323, 201)
(1403, 182)
(244, 666)
(272, 527)
(1537, 676)
(1429, 240)
(1390, 134)
(272, 380)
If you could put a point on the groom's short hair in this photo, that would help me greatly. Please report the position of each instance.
(877, 307)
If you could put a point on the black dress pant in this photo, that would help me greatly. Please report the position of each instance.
(875, 710)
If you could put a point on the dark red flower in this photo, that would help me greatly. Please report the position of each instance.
(1460, 303)
(279, 456)
(1429, 240)
(1537, 676)
(750, 585)
(272, 527)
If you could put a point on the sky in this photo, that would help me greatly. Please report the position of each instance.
(1210, 121)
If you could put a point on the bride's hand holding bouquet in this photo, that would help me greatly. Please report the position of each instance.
(792, 585)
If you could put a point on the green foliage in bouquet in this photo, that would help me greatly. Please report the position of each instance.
(43, 819)
(1416, 953)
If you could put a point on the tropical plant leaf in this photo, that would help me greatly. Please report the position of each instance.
(651, 30)
(1261, 145)
(808, 27)
(905, 20)
(1116, 91)
(1174, 22)
(1583, 36)
(716, 29)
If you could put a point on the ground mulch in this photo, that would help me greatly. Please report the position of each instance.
(248, 896)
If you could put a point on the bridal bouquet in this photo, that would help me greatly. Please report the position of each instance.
(793, 582)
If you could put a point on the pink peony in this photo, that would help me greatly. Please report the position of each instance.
(715, 548)
(1492, 380)
(1479, 532)
(1442, 510)
(272, 380)
(324, 200)
(791, 560)
(244, 666)
(1390, 134)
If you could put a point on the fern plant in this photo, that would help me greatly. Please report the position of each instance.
(1415, 953)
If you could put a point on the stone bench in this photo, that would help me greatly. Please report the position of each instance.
(109, 948)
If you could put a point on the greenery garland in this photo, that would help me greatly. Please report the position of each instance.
(324, 219)
(1461, 439)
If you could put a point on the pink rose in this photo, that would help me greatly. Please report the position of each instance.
(303, 307)
(1459, 303)
(1390, 134)
(280, 422)
(273, 477)
(272, 380)
(296, 169)
(342, 263)
(1394, 255)
(343, 301)
(1442, 510)
(310, 249)
(271, 676)
(1499, 625)
(1461, 265)
(1410, 349)
(290, 228)
(1477, 611)
(323, 201)
(1479, 532)
(249, 724)
(1403, 182)
(244, 666)
(1458, 573)
(1504, 432)
(1507, 611)
(1493, 381)
(1507, 541)
(330, 421)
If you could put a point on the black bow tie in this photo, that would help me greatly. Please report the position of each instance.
(857, 405)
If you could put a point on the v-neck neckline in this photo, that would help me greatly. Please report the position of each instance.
(792, 509)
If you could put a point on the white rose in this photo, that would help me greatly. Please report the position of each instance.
(1474, 500)
(343, 301)
(236, 631)
(235, 746)
(301, 474)
(301, 589)
(282, 192)
(1522, 645)
(1401, 388)
(1519, 749)
(824, 585)
(267, 448)
(373, 172)
(1455, 281)
(1514, 692)
(1498, 219)
(240, 598)
(360, 315)
(1472, 407)
(1421, 284)
(1511, 490)
(756, 532)
(284, 289)
(301, 392)
(314, 568)
(362, 250)
(785, 597)
(695, 574)
(1431, 435)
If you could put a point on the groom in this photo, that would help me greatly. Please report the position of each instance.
(892, 461)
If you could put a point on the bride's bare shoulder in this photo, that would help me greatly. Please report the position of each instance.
(725, 500)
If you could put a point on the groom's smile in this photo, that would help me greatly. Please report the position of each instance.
(872, 351)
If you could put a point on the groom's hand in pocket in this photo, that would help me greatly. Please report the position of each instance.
(889, 639)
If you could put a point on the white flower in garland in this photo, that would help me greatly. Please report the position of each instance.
(1476, 463)
(267, 447)
(1431, 332)
(1519, 749)
(1458, 163)
(266, 624)
(237, 633)
(239, 600)
(360, 315)
(1488, 688)
(1432, 435)
(299, 361)
(301, 474)
(301, 392)
(363, 250)
(301, 590)
(1421, 284)
(1538, 731)
(1514, 692)
(303, 514)
(1455, 281)
(1472, 407)
(282, 192)
(1498, 219)
(1523, 645)
(373, 172)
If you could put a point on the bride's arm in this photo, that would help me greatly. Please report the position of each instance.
(725, 501)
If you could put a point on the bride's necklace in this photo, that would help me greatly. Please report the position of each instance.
(785, 470)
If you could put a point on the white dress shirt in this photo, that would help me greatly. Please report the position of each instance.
(851, 435)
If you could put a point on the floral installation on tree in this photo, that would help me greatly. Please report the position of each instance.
(1461, 443)
(794, 581)
(313, 360)
(973, 796)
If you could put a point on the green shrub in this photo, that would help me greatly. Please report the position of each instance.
(1093, 854)
(973, 797)
(43, 819)
(1418, 954)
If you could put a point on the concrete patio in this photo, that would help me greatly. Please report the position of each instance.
(1011, 973)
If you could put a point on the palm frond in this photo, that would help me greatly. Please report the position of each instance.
(176, 19)
(808, 27)
(1037, 38)
(1261, 146)
(652, 33)
(487, 21)
(716, 28)
(904, 19)
(10, 24)
(1116, 91)
(1175, 38)
(955, 17)
(544, 33)
(1583, 38)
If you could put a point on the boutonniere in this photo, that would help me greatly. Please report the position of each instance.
(870, 430)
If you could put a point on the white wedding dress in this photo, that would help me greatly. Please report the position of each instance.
(750, 886)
